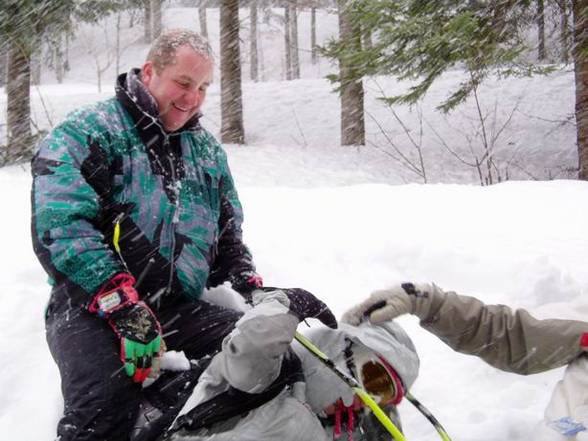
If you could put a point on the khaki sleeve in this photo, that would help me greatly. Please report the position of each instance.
(513, 341)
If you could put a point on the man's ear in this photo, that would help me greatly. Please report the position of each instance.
(147, 73)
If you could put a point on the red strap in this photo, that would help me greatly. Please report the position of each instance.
(584, 340)
(350, 423)
(337, 427)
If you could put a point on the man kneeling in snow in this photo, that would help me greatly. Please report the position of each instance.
(263, 386)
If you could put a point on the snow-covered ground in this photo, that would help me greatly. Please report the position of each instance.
(341, 222)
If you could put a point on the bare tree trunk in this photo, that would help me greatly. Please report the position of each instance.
(541, 29)
(99, 76)
(564, 32)
(287, 44)
(117, 45)
(66, 66)
(36, 62)
(267, 13)
(352, 113)
(156, 24)
(254, 67)
(147, 21)
(202, 18)
(313, 51)
(3, 63)
(581, 75)
(294, 40)
(18, 107)
(58, 57)
(232, 130)
(367, 39)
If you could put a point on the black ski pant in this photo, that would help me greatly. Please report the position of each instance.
(100, 401)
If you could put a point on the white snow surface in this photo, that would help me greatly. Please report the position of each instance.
(341, 222)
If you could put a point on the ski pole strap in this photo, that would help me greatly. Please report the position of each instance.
(428, 415)
(353, 384)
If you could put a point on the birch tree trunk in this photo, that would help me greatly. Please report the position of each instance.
(232, 130)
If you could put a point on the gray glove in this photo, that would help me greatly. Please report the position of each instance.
(387, 304)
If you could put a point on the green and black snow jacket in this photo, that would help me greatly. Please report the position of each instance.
(113, 192)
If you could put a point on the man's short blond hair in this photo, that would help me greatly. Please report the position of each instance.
(163, 49)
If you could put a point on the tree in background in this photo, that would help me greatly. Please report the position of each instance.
(295, 68)
(147, 36)
(3, 62)
(202, 18)
(287, 41)
(19, 20)
(156, 22)
(420, 40)
(232, 130)
(580, 54)
(541, 30)
(253, 59)
(351, 85)
(564, 31)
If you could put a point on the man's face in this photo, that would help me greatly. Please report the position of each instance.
(180, 88)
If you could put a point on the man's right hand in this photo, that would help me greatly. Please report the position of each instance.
(140, 339)
(133, 322)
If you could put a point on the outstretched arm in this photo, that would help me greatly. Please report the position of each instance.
(512, 341)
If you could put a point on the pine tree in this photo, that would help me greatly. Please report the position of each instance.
(421, 39)
(19, 20)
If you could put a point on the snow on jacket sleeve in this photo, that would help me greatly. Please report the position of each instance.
(66, 206)
(251, 356)
(233, 261)
(512, 341)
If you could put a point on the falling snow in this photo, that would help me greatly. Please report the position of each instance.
(342, 222)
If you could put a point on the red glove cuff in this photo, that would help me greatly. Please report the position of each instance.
(584, 341)
(117, 293)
